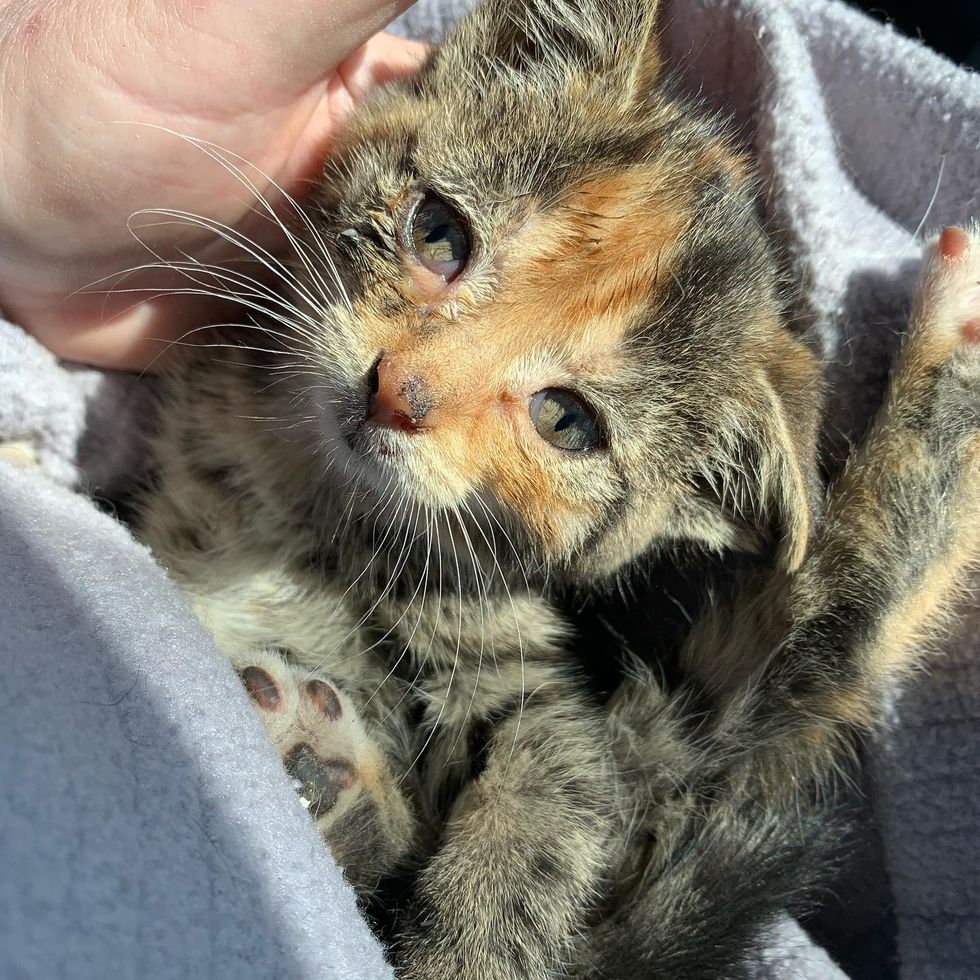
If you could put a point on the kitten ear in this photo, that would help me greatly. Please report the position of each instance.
(788, 480)
(763, 482)
(601, 39)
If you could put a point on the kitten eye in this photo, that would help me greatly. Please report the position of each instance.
(565, 420)
(439, 237)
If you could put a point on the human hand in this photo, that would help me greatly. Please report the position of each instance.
(267, 80)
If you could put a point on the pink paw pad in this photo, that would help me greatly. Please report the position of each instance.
(953, 242)
(261, 687)
(949, 297)
(324, 698)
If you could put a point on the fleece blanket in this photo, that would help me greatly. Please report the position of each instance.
(146, 827)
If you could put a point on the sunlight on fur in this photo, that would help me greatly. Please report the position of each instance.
(502, 365)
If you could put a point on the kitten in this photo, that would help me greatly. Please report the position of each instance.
(533, 333)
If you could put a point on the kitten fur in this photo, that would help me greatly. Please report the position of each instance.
(361, 510)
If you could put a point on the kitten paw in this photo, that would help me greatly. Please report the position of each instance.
(340, 774)
(948, 303)
(318, 733)
(936, 391)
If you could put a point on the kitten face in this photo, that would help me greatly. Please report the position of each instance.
(558, 300)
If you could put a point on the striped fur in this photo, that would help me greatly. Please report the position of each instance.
(390, 598)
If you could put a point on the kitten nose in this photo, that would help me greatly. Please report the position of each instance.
(398, 401)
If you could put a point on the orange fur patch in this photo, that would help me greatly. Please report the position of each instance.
(601, 253)
(720, 157)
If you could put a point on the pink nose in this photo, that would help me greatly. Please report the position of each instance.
(398, 401)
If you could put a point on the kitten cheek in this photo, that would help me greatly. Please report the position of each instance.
(558, 530)
(534, 493)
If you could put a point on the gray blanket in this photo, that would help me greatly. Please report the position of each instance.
(146, 828)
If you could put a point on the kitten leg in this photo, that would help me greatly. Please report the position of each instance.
(525, 847)
(743, 808)
(901, 534)
(341, 775)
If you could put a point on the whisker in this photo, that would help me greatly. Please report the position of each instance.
(452, 673)
(223, 157)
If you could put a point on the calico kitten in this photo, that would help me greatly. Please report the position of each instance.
(532, 333)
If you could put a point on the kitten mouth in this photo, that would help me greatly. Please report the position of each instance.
(390, 451)
(372, 442)
(395, 465)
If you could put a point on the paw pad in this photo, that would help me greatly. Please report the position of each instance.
(324, 698)
(953, 242)
(261, 687)
(318, 781)
(970, 331)
(948, 305)
(316, 729)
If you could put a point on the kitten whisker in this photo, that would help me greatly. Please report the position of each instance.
(517, 556)
(452, 672)
(403, 556)
(520, 643)
(234, 238)
(223, 157)
(925, 217)
(205, 275)
(483, 603)
(408, 642)
(182, 342)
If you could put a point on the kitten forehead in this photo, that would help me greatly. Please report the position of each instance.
(586, 217)
(593, 264)
(561, 281)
